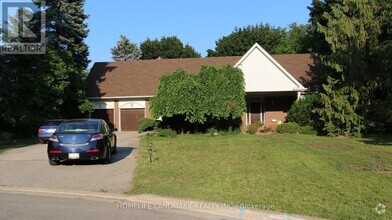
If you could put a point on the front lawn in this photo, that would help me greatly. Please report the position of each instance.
(337, 178)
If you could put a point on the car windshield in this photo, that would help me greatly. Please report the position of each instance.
(53, 123)
(75, 126)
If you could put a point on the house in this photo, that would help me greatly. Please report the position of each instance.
(121, 90)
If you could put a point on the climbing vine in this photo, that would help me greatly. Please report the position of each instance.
(214, 92)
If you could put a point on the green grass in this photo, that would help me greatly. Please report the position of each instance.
(19, 142)
(337, 178)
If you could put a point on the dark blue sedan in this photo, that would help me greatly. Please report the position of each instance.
(46, 130)
(82, 139)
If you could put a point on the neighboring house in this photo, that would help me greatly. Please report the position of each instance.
(121, 90)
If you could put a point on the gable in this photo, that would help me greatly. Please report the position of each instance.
(263, 73)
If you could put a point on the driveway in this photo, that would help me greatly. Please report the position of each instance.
(29, 167)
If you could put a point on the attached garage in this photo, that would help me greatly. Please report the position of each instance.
(105, 114)
(130, 118)
(121, 114)
(131, 111)
(105, 111)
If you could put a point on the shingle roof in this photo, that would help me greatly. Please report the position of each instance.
(141, 77)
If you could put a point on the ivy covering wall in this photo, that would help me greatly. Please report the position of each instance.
(213, 93)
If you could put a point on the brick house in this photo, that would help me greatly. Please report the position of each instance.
(121, 90)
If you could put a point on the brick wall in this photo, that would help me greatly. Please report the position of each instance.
(276, 109)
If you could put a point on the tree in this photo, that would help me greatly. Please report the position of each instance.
(299, 39)
(241, 39)
(317, 11)
(151, 49)
(35, 88)
(167, 48)
(275, 40)
(125, 50)
(358, 36)
(215, 93)
(380, 111)
(189, 52)
(353, 32)
(338, 111)
(66, 32)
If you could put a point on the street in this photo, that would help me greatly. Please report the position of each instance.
(27, 206)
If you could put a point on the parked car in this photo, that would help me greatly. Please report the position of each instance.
(82, 139)
(46, 130)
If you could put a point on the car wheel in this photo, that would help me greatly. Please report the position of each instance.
(42, 141)
(115, 146)
(54, 163)
(107, 160)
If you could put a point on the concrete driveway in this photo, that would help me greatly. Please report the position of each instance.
(29, 167)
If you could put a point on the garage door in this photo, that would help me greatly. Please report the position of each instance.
(105, 114)
(130, 118)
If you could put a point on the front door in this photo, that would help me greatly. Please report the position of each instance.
(254, 112)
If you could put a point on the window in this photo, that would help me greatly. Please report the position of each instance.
(53, 123)
(78, 126)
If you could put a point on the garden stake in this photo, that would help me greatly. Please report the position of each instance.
(149, 144)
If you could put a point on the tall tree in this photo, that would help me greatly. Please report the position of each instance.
(167, 48)
(66, 32)
(126, 50)
(275, 40)
(338, 112)
(35, 88)
(189, 52)
(299, 39)
(317, 10)
(352, 30)
(150, 49)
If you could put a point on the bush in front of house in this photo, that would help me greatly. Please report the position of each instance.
(288, 128)
(166, 133)
(301, 112)
(146, 124)
(6, 136)
(254, 128)
(308, 130)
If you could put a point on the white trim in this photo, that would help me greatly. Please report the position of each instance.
(119, 117)
(261, 111)
(145, 107)
(104, 105)
(120, 97)
(115, 114)
(300, 87)
(247, 113)
(299, 96)
(132, 104)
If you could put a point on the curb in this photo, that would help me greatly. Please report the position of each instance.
(154, 202)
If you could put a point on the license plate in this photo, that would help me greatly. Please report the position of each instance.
(50, 130)
(73, 156)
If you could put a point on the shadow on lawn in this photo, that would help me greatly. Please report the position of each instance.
(378, 140)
